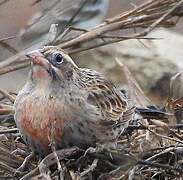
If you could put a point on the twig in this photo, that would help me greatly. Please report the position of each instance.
(100, 30)
(5, 111)
(3, 2)
(150, 28)
(7, 95)
(127, 14)
(7, 168)
(13, 68)
(113, 40)
(154, 157)
(74, 51)
(148, 15)
(60, 40)
(139, 127)
(127, 37)
(176, 126)
(7, 38)
(164, 137)
(50, 37)
(11, 159)
(74, 16)
(91, 168)
(163, 166)
(18, 56)
(5, 106)
(8, 47)
(52, 144)
(12, 130)
(136, 93)
(35, 2)
(25, 163)
(50, 159)
(31, 174)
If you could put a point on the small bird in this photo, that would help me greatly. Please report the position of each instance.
(62, 105)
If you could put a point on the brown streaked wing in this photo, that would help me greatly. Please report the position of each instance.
(104, 95)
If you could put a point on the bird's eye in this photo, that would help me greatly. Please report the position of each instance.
(59, 58)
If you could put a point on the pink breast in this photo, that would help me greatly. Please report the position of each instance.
(42, 121)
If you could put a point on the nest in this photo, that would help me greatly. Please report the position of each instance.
(149, 149)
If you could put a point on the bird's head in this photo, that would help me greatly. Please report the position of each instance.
(51, 64)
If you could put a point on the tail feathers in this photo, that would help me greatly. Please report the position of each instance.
(152, 112)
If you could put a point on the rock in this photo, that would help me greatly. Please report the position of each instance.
(152, 64)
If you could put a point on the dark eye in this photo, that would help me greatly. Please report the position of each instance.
(59, 58)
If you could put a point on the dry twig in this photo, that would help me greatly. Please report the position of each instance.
(136, 93)
(148, 16)
(7, 95)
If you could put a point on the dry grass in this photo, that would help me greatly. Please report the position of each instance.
(149, 149)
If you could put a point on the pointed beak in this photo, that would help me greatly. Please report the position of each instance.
(37, 58)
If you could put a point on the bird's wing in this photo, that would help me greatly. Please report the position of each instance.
(105, 96)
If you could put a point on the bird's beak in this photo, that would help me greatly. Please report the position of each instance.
(37, 58)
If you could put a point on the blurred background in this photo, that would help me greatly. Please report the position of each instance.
(15, 14)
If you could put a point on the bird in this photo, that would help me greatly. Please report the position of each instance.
(60, 12)
(62, 105)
